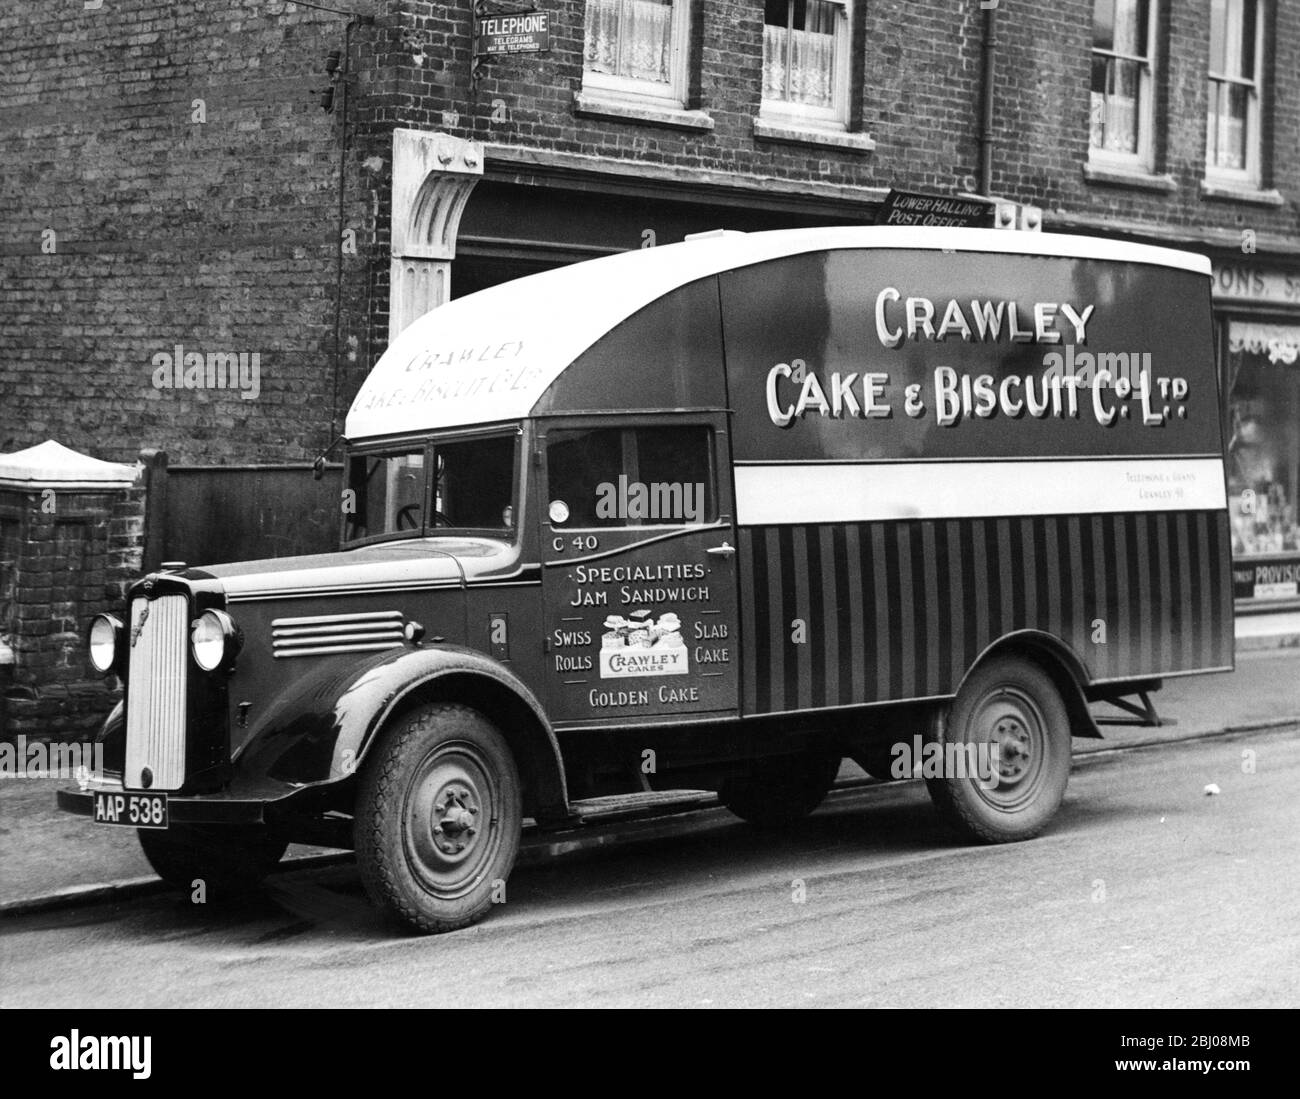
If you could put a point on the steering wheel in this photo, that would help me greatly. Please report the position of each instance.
(407, 517)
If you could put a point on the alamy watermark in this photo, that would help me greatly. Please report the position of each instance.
(978, 760)
(95, 1052)
(657, 500)
(1100, 368)
(181, 369)
(54, 759)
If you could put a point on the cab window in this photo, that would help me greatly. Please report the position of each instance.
(630, 476)
(474, 484)
(388, 494)
(462, 485)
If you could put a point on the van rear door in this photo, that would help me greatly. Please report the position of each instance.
(639, 578)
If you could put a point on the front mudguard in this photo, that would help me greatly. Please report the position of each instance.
(319, 733)
(112, 738)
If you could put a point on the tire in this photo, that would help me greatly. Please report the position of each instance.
(1013, 703)
(230, 860)
(438, 818)
(781, 790)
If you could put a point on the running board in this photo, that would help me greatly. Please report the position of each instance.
(623, 807)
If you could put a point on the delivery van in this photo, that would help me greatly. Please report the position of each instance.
(711, 516)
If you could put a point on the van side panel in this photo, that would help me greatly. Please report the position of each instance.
(892, 611)
(972, 313)
(934, 451)
(665, 356)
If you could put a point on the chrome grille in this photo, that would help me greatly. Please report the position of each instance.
(323, 634)
(155, 692)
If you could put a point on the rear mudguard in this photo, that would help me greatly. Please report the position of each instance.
(320, 731)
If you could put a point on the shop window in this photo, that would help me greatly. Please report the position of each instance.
(1232, 120)
(1123, 61)
(621, 477)
(806, 61)
(637, 49)
(1263, 371)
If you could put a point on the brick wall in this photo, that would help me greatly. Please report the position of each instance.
(215, 235)
(65, 558)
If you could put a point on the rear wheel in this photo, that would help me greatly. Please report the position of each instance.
(228, 859)
(1005, 753)
(438, 818)
(780, 790)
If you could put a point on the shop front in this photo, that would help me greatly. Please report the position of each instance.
(1257, 311)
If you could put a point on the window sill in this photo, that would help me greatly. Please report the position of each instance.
(589, 105)
(795, 133)
(1129, 177)
(1232, 191)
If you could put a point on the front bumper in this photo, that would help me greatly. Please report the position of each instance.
(210, 809)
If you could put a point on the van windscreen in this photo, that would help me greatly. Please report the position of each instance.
(471, 489)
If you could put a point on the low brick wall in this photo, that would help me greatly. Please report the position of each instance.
(65, 556)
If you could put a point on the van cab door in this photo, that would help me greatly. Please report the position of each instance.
(639, 568)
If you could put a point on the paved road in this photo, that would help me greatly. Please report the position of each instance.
(1145, 892)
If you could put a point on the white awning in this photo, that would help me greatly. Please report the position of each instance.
(53, 465)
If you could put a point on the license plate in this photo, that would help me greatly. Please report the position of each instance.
(132, 810)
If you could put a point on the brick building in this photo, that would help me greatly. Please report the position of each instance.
(173, 187)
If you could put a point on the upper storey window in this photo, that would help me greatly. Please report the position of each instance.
(806, 61)
(637, 49)
(1123, 53)
(1232, 144)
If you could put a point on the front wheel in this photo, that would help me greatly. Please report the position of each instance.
(1004, 753)
(438, 818)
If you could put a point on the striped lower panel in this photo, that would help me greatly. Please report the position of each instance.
(900, 609)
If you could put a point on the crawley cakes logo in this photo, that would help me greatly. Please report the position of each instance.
(643, 645)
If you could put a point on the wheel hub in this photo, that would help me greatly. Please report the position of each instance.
(450, 819)
(453, 819)
(1011, 724)
(1012, 741)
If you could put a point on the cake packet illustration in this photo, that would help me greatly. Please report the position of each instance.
(640, 644)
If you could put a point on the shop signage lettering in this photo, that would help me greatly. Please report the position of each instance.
(911, 208)
(1243, 282)
(1266, 579)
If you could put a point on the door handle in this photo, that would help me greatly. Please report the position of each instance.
(723, 550)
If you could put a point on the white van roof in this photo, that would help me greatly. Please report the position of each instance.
(490, 356)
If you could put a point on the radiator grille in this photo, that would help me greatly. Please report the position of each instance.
(155, 693)
(322, 635)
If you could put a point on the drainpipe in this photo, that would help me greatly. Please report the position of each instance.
(988, 49)
(344, 77)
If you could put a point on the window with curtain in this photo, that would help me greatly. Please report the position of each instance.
(1263, 370)
(805, 59)
(1232, 119)
(1123, 49)
(637, 47)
